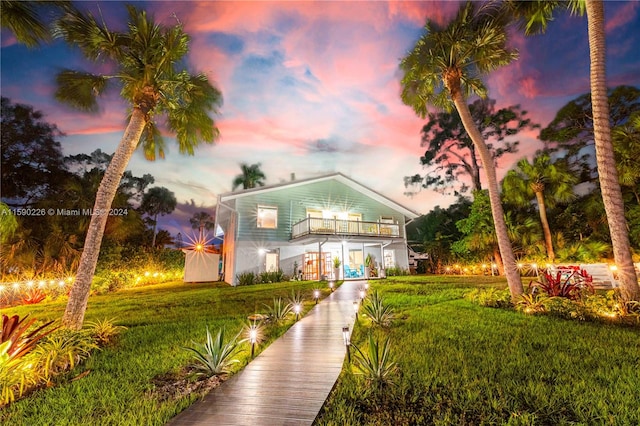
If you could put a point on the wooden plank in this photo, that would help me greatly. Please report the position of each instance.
(289, 381)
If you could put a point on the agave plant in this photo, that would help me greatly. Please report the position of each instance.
(379, 312)
(215, 357)
(376, 364)
(279, 310)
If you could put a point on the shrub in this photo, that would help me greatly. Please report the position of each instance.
(247, 278)
(490, 297)
(395, 271)
(380, 313)
(376, 364)
(104, 331)
(215, 357)
(14, 331)
(272, 277)
(33, 296)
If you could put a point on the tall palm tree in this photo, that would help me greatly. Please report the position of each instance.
(547, 181)
(145, 59)
(444, 68)
(541, 12)
(202, 221)
(250, 177)
(158, 200)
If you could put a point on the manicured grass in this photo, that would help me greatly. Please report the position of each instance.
(161, 320)
(463, 364)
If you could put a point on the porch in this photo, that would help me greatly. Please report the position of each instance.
(344, 228)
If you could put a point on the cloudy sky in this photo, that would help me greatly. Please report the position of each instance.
(313, 87)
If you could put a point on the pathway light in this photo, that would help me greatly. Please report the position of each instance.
(347, 341)
(316, 295)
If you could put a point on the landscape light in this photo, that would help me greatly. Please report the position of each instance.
(331, 284)
(362, 294)
(253, 338)
(316, 295)
(16, 286)
(356, 306)
(296, 309)
(29, 284)
(613, 268)
(366, 285)
(347, 341)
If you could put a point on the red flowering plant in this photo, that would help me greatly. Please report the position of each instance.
(565, 284)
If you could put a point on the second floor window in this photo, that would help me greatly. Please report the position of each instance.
(267, 217)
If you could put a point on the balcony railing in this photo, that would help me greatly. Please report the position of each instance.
(319, 226)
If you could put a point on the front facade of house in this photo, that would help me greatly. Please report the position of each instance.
(302, 225)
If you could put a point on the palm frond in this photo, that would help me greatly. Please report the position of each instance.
(21, 18)
(80, 89)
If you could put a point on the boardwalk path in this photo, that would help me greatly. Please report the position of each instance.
(290, 380)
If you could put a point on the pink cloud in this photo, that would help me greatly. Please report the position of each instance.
(623, 16)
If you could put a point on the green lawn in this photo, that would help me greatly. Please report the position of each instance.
(463, 364)
(161, 320)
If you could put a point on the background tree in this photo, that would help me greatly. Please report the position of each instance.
(158, 201)
(451, 153)
(435, 232)
(31, 155)
(545, 180)
(202, 221)
(607, 172)
(145, 59)
(571, 130)
(250, 177)
(442, 69)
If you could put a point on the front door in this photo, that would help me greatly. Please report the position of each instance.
(271, 262)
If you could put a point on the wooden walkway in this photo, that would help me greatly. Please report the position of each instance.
(289, 381)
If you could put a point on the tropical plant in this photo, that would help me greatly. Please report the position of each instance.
(62, 351)
(250, 177)
(104, 330)
(14, 330)
(271, 276)
(530, 304)
(376, 363)
(33, 296)
(565, 284)
(379, 312)
(442, 69)
(158, 200)
(145, 59)
(336, 262)
(279, 310)
(215, 357)
(21, 17)
(548, 181)
(605, 158)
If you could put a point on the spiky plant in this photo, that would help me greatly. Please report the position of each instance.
(379, 312)
(376, 363)
(279, 310)
(104, 331)
(214, 357)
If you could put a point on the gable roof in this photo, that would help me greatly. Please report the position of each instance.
(339, 177)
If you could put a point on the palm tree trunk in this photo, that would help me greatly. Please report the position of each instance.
(607, 173)
(155, 225)
(79, 296)
(542, 210)
(506, 251)
(498, 260)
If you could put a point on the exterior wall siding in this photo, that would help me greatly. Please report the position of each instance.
(293, 203)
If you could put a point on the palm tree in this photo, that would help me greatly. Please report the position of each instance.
(202, 221)
(250, 177)
(158, 200)
(145, 59)
(541, 11)
(444, 68)
(549, 182)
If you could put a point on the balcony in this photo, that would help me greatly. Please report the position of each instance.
(344, 228)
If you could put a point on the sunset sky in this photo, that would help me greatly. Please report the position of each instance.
(313, 87)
